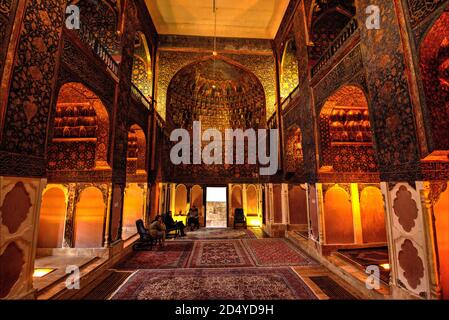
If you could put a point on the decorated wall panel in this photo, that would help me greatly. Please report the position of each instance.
(7, 15)
(408, 247)
(392, 114)
(30, 97)
(19, 208)
(434, 65)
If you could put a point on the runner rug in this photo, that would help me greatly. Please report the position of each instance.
(215, 284)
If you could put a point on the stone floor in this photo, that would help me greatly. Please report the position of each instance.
(225, 265)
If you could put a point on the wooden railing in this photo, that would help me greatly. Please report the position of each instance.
(272, 121)
(285, 102)
(99, 50)
(139, 96)
(344, 35)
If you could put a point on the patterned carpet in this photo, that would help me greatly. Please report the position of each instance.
(276, 252)
(173, 255)
(211, 234)
(219, 254)
(215, 284)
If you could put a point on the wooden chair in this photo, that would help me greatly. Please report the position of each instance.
(145, 241)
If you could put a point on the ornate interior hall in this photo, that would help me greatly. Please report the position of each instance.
(355, 91)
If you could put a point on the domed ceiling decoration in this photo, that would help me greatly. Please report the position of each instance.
(222, 96)
(218, 94)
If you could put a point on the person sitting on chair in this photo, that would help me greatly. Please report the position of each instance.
(157, 229)
(193, 218)
(171, 224)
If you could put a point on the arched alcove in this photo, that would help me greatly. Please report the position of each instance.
(136, 152)
(89, 219)
(81, 131)
(346, 140)
(52, 218)
(133, 209)
(180, 200)
(434, 63)
(338, 218)
(222, 95)
(297, 199)
(372, 215)
(198, 201)
(251, 200)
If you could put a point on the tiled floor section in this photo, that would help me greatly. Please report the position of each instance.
(242, 269)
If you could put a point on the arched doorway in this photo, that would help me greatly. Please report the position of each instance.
(434, 65)
(52, 218)
(89, 219)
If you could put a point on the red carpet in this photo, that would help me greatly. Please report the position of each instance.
(219, 254)
(215, 234)
(215, 284)
(276, 252)
(173, 255)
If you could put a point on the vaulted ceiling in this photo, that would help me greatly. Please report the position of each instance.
(235, 18)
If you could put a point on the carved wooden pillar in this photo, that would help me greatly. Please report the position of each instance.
(72, 200)
(285, 204)
(412, 260)
(30, 35)
(119, 141)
